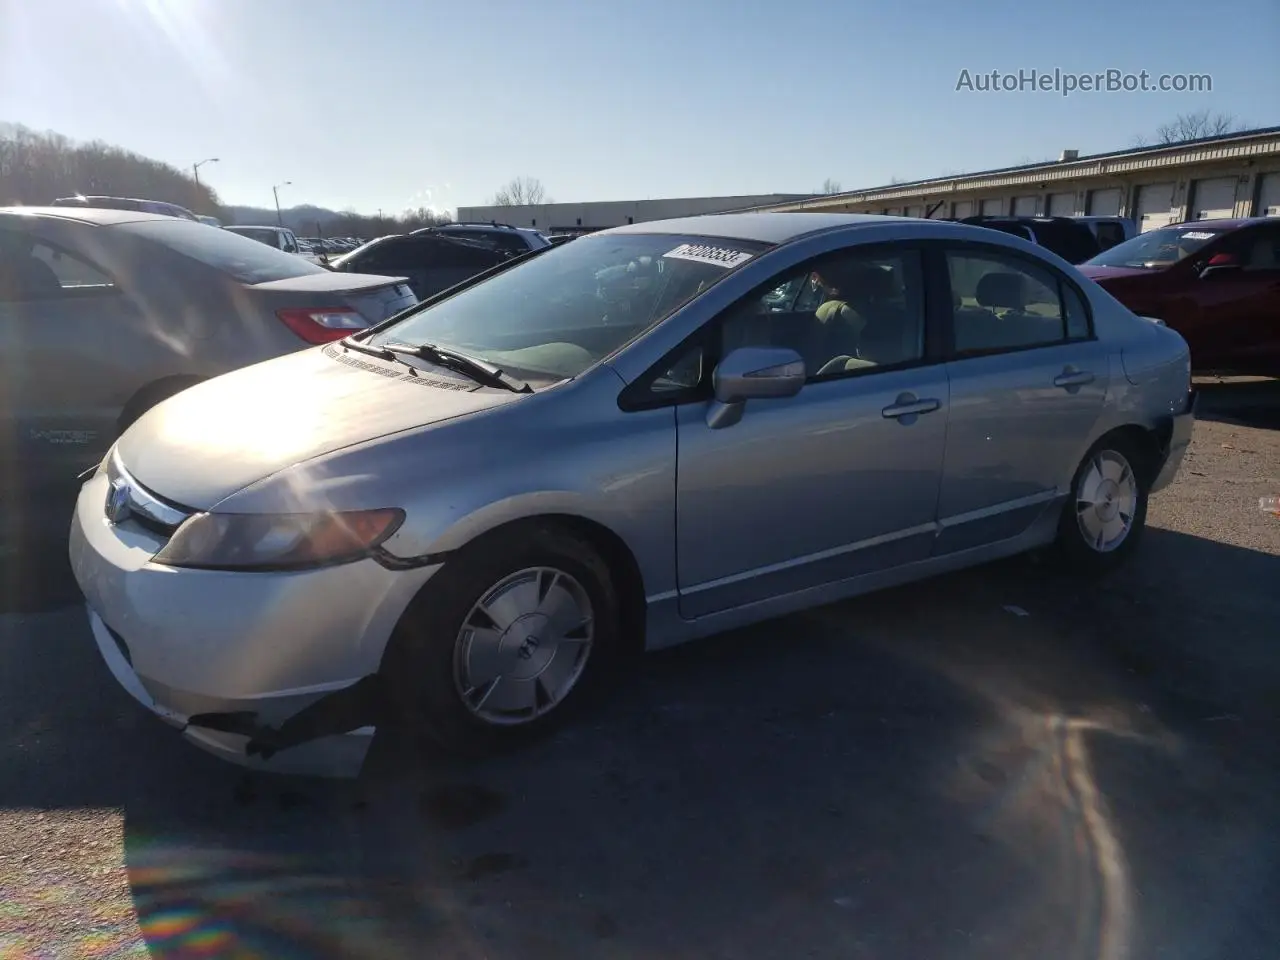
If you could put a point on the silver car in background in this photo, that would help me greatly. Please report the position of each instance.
(104, 313)
(473, 513)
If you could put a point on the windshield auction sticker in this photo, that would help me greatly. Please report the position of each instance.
(705, 253)
(1198, 235)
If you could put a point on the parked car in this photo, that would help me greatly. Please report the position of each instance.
(559, 238)
(127, 203)
(1109, 231)
(477, 508)
(512, 241)
(431, 262)
(1217, 282)
(282, 239)
(210, 221)
(103, 313)
(1070, 239)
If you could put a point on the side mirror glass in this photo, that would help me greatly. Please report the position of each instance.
(758, 373)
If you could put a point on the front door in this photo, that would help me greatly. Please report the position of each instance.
(837, 481)
(1028, 381)
(1238, 309)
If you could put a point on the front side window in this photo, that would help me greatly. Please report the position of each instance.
(31, 269)
(844, 312)
(557, 314)
(1006, 303)
(227, 251)
(1156, 249)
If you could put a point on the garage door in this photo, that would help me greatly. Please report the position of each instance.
(1155, 201)
(1268, 196)
(961, 209)
(1062, 204)
(992, 208)
(1024, 206)
(1104, 203)
(915, 210)
(1213, 199)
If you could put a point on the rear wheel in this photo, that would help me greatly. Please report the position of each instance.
(505, 642)
(1103, 520)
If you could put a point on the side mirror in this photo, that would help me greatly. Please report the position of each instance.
(753, 373)
(1219, 264)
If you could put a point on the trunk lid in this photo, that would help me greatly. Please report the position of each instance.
(374, 297)
(220, 436)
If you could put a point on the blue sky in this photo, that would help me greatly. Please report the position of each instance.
(395, 103)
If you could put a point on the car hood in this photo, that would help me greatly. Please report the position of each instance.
(1111, 273)
(220, 436)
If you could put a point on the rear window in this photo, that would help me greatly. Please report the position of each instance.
(237, 256)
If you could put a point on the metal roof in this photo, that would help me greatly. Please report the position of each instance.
(1249, 143)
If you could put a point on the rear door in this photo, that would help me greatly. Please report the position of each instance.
(65, 357)
(1027, 379)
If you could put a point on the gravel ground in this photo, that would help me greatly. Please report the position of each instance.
(1000, 763)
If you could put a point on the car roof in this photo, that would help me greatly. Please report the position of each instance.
(103, 216)
(1228, 223)
(773, 228)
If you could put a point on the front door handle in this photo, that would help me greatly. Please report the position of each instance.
(908, 406)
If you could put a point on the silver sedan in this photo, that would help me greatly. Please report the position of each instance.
(465, 518)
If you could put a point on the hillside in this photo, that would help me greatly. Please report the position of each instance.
(309, 221)
(37, 167)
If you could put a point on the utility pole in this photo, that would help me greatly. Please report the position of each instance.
(195, 168)
(275, 192)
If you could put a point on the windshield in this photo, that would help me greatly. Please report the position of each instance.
(1155, 250)
(238, 256)
(559, 313)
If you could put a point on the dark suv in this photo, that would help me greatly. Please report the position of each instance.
(506, 239)
(1071, 240)
(430, 262)
(1217, 282)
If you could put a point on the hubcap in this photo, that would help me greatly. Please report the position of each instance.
(523, 646)
(1106, 499)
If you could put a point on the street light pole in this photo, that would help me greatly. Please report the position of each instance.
(275, 192)
(195, 167)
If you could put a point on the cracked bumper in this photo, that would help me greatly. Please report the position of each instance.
(267, 670)
(1179, 439)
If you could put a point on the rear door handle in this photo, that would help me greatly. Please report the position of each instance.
(909, 408)
(1073, 378)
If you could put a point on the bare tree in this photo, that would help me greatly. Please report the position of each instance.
(830, 186)
(521, 191)
(1195, 125)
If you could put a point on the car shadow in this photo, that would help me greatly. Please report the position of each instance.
(1247, 402)
(993, 763)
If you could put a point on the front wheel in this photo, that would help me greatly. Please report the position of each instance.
(1103, 520)
(505, 641)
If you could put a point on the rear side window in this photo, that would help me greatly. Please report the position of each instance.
(230, 253)
(1002, 303)
(32, 269)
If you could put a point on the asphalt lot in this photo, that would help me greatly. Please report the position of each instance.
(1000, 763)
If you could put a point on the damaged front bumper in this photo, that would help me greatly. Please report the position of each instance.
(323, 732)
(1174, 446)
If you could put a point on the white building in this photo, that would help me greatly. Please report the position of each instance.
(585, 217)
(1235, 175)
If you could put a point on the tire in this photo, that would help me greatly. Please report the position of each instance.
(1106, 513)
(439, 666)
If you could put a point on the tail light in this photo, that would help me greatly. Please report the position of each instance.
(322, 324)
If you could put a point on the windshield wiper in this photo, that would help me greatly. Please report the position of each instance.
(481, 372)
(380, 352)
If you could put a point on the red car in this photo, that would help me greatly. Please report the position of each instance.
(1216, 282)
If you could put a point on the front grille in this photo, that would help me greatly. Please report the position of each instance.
(128, 501)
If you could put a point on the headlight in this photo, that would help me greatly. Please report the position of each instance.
(282, 541)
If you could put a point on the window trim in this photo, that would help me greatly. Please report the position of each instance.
(638, 395)
(89, 292)
(976, 248)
